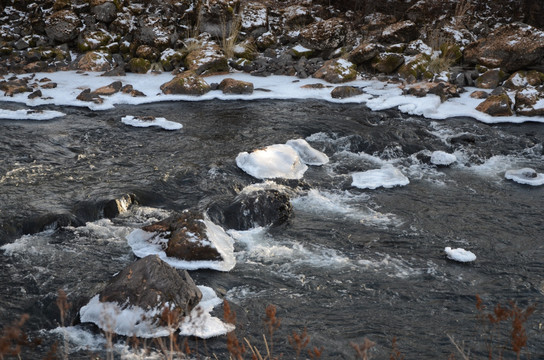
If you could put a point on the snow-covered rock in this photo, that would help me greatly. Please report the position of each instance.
(274, 161)
(526, 176)
(442, 158)
(388, 176)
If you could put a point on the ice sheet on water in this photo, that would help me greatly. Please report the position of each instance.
(308, 154)
(274, 161)
(161, 122)
(145, 243)
(135, 321)
(27, 114)
(459, 254)
(526, 176)
(388, 176)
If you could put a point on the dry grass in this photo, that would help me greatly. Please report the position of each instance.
(230, 32)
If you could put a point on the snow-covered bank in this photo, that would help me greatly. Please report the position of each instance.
(377, 95)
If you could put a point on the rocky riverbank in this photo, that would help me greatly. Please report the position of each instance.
(424, 46)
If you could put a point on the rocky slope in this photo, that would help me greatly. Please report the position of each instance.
(426, 46)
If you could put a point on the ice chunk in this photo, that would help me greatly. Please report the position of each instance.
(138, 121)
(526, 176)
(274, 161)
(442, 158)
(459, 254)
(308, 154)
(388, 176)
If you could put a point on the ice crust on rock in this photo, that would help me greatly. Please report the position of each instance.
(135, 321)
(526, 176)
(388, 176)
(307, 153)
(460, 255)
(274, 161)
(161, 122)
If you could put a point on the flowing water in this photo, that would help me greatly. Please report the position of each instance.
(349, 264)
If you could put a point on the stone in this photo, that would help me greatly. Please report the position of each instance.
(110, 89)
(62, 26)
(364, 53)
(297, 15)
(342, 92)
(94, 61)
(416, 68)
(479, 94)
(186, 83)
(87, 96)
(511, 47)
(400, 32)
(16, 86)
(387, 63)
(104, 10)
(529, 102)
(232, 86)
(258, 208)
(324, 35)
(187, 237)
(337, 71)
(139, 65)
(93, 40)
(115, 207)
(490, 79)
(521, 79)
(35, 94)
(443, 90)
(265, 41)
(254, 17)
(151, 284)
(150, 31)
(313, 86)
(208, 59)
(496, 105)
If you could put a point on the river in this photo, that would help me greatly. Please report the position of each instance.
(351, 263)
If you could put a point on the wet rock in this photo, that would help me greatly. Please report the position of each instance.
(186, 83)
(387, 63)
(62, 26)
(337, 71)
(115, 207)
(490, 79)
(529, 102)
(496, 105)
(400, 32)
(511, 47)
(364, 53)
(104, 10)
(232, 86)
(324, 35)
(258, 208)
(207, 59)
(152, 284)
(94, 61)
(342, 92)
(187, 237)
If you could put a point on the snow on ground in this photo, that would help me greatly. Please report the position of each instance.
(525, 176)
(161, 122)
(377, 95)
(388, 176)
(135, 321)
(459, 254)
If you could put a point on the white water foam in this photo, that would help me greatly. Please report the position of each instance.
(145, 243)
(377, 95)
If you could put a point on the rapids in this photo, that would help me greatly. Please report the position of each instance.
(351, 263)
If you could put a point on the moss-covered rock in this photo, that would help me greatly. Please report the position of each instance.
(345, 91)
(299, 51)
(186, 83)
(529, 102)
(171, 59)
(416, 68)
(265, 41)
(337, 71)
(233, 86)
(364, 53)
(94, 61)
(521, 79)
(93, 40)
(139, 65)
(246, 49)
(147, 52)
(206, 59)
(387, 62)
(490, 79)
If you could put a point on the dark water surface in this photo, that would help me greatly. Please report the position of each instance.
(350, 264)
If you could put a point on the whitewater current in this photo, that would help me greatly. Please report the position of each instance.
(350, 263)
